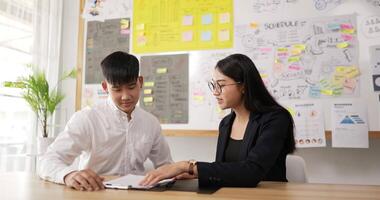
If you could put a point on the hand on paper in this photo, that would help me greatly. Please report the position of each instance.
(86, 180)
(165, 172)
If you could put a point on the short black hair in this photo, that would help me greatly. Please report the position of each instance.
(120, 68)
(256, 97)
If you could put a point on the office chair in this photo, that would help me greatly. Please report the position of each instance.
(296, 169)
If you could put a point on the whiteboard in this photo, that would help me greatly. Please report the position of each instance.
(204, 113)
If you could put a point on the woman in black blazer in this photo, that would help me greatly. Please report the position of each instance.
(253, 140)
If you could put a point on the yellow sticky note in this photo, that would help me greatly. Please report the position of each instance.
(149, 84)
(224, 35)
(353, 73)
(282, 49)
(148, 99)
(162, 70)
(293, 59)
(124, 23)
(148, 91)
(348, 31)
(300, 46)
(291, 111)
(199, 98)
(342, 45)
(327, 92)
(264, 75)
(296, 52)
(140, 26)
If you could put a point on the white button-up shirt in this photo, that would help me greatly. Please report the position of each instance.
(106, 142)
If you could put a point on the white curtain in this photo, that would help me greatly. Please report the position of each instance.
(47, 41)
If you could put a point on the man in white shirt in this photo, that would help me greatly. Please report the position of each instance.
(111, 138)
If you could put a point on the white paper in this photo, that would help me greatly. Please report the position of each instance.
(309, 124)
(131, 181)
(349, 125)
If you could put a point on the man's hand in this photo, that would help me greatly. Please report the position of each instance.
(84, 180)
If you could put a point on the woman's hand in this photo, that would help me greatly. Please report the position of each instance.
(165, 172)
(184, 176)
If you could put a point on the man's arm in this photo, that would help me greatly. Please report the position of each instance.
(160, 153)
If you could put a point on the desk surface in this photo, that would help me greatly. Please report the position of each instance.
(27, 186)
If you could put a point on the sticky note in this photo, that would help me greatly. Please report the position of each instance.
(206, 35)
(199, 98)
(124, 23)
(294, 59)
(342, 45)
(346, 26)
(299, 46)
(348, 31)
(253, 25)
(162, 70)
(282, 49)
(291, 111)
(140, 27)
(333, 27)
(187, 20)
(187, 36)
(295, 52)
(327, 92)
(346, 37)
(224, 35)
(354, 72)
(149, 84)
(264, 75)
(148, 99)
(148, 91)
(141, 40)
(207, 19)
(294, 67)
(314, 92)
(224, 18)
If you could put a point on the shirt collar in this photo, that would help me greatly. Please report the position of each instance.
(121, 114)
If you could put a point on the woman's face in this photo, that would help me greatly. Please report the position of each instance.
(228, 93)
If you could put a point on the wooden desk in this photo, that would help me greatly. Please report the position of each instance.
(30, 187)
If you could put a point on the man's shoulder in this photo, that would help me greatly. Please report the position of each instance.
(145, 115)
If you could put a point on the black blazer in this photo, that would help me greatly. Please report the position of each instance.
(262, 155)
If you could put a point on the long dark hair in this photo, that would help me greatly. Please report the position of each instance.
(256, 97)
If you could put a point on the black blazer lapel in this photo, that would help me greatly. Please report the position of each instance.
(224, 134)
(249, 136)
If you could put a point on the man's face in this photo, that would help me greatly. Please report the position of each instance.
(124, 96)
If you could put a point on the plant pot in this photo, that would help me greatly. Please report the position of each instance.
(43, 143)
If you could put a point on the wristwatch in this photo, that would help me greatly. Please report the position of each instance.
(192, 163)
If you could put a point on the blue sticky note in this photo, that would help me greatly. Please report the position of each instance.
(206, 35)
(206, 19)
(314, 92)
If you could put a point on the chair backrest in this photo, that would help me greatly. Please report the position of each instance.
(296, 169)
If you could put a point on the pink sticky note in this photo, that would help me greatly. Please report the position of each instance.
(187, 20)
(224, 18)
(347, 37)
(187, 36)
(346, 26)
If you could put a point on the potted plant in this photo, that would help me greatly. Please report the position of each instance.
(42, 99)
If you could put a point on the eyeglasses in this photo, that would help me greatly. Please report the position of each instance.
(216, 87)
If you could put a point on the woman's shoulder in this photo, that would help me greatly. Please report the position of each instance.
(276, 113)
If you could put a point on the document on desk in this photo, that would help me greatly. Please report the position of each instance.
(131, 181)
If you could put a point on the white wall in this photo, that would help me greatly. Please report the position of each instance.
(324, 165)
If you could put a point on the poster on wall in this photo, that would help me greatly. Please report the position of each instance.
(102, 39)
(180, 25)
(309, 124)
(374, 53)
(305, 58)
(165, 89)
(349, 125)
(100, 10)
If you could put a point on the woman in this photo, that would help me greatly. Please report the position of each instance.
(254, 139)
